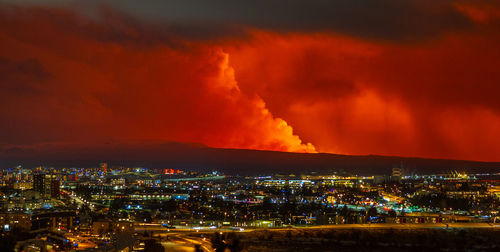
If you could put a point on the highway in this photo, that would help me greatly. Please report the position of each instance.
(403, 226)
(183, 241)
(159, 228)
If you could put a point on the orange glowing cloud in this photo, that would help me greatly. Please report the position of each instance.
(483, 12)
(345, 95)
(249, 123)
(71, 85)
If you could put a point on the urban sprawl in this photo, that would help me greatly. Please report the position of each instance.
(116, 208)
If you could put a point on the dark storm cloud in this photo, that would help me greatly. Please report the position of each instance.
(379, 19)
(392, 19)
(23, 77)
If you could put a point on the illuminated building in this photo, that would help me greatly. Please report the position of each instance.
(55, 220)
(39, 183)
(23, 185)
(47, 185)
(104, 167)
(16, 219)
(397, 174)
(55, 185)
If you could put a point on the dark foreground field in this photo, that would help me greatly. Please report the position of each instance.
(483, 239)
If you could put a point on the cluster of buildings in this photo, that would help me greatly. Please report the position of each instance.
(111, 200)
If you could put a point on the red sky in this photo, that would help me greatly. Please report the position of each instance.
(68, 77)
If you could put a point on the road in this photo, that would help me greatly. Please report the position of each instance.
(182, 239)
(79, 200)
(407, 225)
(159, 228)
(83, 242)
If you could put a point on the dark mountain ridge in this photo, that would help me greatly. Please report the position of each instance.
(197, 157)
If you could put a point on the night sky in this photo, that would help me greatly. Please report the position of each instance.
(408, 78)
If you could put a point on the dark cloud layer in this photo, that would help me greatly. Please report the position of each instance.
(21, 78)
(373, 18)
(376, 19)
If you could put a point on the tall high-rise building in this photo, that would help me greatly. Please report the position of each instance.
(47, 185)
(55, 188)
(39, 183)
(50, 185)
(104, 167)
(397, 174)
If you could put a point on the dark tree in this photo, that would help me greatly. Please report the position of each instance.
(218, 243)
(152, 245)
